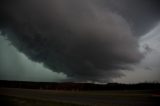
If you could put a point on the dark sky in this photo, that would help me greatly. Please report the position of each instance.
(91, 40)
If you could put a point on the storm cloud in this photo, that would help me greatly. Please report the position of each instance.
(83, 39)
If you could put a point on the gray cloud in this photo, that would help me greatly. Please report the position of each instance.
(142, 15)
(16, 66)
(148, 69)
(78, 38)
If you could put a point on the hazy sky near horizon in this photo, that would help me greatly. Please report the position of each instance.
(80, 41)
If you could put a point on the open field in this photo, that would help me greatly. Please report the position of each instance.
(18, 101)
(28, 97)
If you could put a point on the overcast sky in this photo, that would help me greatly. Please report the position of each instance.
(80, 41)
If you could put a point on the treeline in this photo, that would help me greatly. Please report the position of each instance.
(78, 86)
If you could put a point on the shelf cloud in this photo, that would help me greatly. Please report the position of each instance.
(85, 40)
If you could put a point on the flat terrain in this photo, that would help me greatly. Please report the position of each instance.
(29, 97)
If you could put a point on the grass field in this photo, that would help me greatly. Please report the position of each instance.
(26, 97)
(18, 101)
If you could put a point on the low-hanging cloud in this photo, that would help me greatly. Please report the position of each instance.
(16, 66)
(78, 38)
